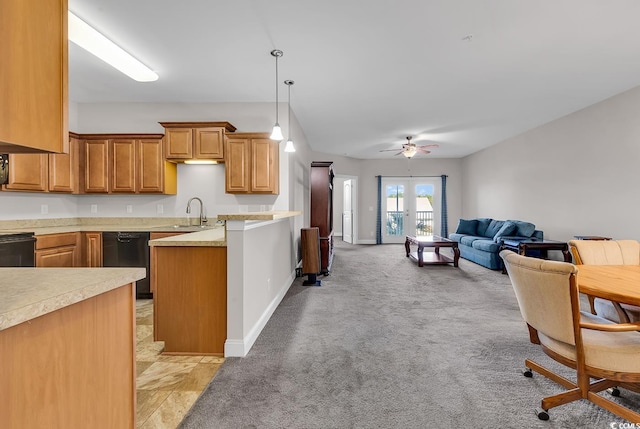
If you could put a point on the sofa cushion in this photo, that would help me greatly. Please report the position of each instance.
(486, 245)
(507, 229)
(468, 240)
(523, 229)
(467, 226)
(493, 228)
(483, 224)
(456, 237)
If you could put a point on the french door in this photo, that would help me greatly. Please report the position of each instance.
(409, 207)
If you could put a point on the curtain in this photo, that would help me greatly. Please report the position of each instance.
(444, 217)
(379, 214)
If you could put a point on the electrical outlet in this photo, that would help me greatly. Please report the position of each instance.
(129, 208)
(94, 208)
(159, 209)
(44, 208)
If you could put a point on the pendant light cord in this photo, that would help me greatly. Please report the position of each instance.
(277, 53)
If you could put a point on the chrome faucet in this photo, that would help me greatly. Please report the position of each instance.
(203, 217)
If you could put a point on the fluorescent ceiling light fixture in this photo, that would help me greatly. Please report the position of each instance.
(200, 161)
(85, 36)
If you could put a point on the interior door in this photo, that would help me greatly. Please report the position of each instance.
(347, 212)
(408, 208)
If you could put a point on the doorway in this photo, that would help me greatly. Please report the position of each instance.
(346, 208)
(409, 207)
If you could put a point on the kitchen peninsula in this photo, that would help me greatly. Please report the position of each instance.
(67, 347)
(215, 290)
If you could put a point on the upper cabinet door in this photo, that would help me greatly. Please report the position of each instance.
(208, 143)
(96, 158)
(33, 82)
(64, 169)
(238, 165)
(179, 143)
(151, 166)
(123, 166)
(28, 172)
(265, 174)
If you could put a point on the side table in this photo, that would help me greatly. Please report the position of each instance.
(524, 246)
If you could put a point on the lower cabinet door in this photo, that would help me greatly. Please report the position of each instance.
(58, 257)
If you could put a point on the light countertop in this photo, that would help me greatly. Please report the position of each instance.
(27, 293)
(214, 237)
(270, 215)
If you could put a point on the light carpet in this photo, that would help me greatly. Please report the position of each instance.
(384, 343)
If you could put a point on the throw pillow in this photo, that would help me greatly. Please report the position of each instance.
(493, 228)
(483, 224)
(524, 229)
(467, 226)
(507, 229)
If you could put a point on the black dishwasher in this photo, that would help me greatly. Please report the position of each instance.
(128, 249)
(17, 249)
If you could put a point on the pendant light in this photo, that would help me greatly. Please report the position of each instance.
(276, 134)
(288, 147)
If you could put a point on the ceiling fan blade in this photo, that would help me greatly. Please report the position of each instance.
(402, 151)
(419, 149)
(428, 145)
(388, 150)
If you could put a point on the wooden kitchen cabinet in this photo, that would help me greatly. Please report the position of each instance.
(127, 163)
(252, 164)
(64, 168)
(33, 82)
(153, 236)
(28, 172)
(45, 173)
(190, 287)
(195, 140)
(92, 249)
(96, 165)
(123, 165)
(57, 250)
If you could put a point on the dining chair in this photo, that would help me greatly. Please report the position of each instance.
(547, 294)
(610, 252)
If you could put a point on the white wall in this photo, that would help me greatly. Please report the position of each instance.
(573, 176)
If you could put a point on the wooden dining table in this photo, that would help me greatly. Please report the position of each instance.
(617, 283)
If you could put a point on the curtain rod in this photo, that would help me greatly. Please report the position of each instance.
(412, 176)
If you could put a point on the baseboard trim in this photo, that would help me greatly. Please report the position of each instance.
(366, 241)
(240, 348)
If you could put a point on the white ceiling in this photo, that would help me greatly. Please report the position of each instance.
(370, 72)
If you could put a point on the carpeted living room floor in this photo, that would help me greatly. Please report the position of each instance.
(384, 343)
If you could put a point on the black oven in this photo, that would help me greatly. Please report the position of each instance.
(17, 249)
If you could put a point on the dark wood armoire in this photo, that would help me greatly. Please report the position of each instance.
(322, 210)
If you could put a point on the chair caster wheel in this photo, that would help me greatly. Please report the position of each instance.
(542, 414)
(614, 391)
(527, 373)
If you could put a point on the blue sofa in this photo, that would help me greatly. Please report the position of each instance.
(479, 240)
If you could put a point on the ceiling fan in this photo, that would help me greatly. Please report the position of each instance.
(409, 149)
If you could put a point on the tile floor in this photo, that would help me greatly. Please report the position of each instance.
(167, 386)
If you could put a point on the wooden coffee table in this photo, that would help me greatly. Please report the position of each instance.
(432, 257)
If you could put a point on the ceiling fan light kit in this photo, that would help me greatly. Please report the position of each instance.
(276, 133)
(410, 149)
